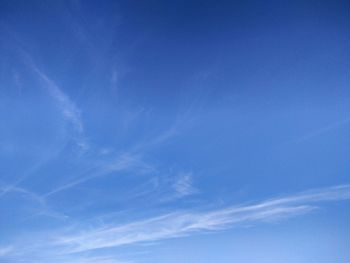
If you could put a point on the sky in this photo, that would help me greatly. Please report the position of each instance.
(174, 131)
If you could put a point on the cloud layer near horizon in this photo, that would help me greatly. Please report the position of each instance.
(75, 239)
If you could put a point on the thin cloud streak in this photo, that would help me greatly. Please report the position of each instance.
(185, 223)
(170, 226)
(74, 244)
(69, 110)
(128, 160)
(42, 207)
(123, 162)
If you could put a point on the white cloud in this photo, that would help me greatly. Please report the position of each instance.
(185, 223)
(79, 242)
(170, 226)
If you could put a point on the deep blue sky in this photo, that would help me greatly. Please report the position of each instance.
(174, 131)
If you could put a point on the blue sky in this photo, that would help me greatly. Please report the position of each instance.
(174, 131)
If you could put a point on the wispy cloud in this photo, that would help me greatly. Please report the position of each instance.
(131, 160)
(12, 189)
(172, 225)
(69, 110)
(80, 242)
(41, 208)
(179, 224)
(122, 162)
(128, 160)
(184, 185)
(5, 250)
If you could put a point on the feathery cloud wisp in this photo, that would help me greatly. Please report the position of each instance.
(41, 207)
(68, 108)
(185, 223)
(73, 244)
(122, 162)
(184, 185)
